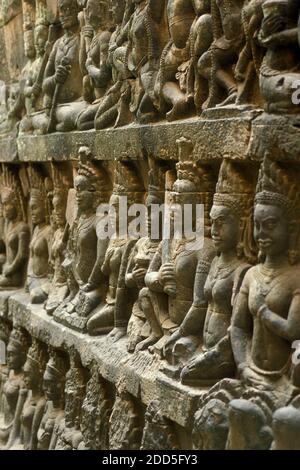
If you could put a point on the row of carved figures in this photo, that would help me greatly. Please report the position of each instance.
(49, 401)
(98, 64)
(226, 310)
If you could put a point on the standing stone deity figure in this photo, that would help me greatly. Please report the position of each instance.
(95, 39)
(147, 35)
(266, 313)
(62, 84)
(113, 109)
(113, 315)
(216, 64)
(58, 289)
(53, 385)
(5, 330)
(170, 280)
(200, 39)
(231, 231)
(16, 357)
(142, 254)
(85, 252)
(38, 270)
(68, 429)
(31, 400)
(280, 68)
(16, 234)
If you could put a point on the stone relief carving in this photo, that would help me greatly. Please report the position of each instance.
(208, 330)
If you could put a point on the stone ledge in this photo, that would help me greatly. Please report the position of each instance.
(140, 370)
(213, 138)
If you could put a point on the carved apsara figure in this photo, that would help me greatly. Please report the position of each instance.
(170, 279)
(38, 282)
(16, 357)
(231, 232)
(53, 385)
(266, 320)
(114, 315)
(16, 234)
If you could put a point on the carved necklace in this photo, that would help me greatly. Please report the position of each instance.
(223, 271)
(265, 278)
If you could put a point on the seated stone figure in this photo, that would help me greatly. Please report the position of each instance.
(31, 400)
(95, 39)
(266, 313)
(38, 269)
(170, 280)
(85, 252)
(68, 429)
(53, 385)
(113, 109)
(232, 236)
(280, 67)
(58, 290)
(113, 315)
(142, 254)
(215, 65)
(16, 357)
(62, 84)
(16, 234)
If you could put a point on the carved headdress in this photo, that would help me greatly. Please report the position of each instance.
(278, 185)
(19, 340)
(57, 365)
(156, 179)
(96, 175)
(41, 188)
(76, 379)
(37, 355)
(11, 189)
(128, 182)
(235, 190)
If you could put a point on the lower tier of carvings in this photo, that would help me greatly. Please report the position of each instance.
(64, 390)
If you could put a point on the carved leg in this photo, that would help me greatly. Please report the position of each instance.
(102, 322)
(149, 310)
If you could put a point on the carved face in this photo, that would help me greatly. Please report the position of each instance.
(9, 207)
(37, 209)
(96, 13)
(85, 198)
(224, 228)
(14, 356)
(271, 230)
(68, 11)
(29, 44)
(114, 213)
(52, 386)
(40, 38)
(59, 210)
(30, 375)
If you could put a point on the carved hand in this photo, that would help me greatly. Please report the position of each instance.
(139, 275)
(62, 73)
(166, 273)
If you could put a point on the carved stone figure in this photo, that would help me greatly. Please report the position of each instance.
(211, 426)
(40, 246)
(16, 234)
(147, 35)
(267, 304)
(31, 400)
(125, 431)
(53, 385)
(142, 254)
(113, 108)
(114, 315)
(85, 252)
(95, 39)
(280, 67)
(215, 65)
(16, 357)
(232, 236)
(58, 289)
(62, 84)
(171, 286)
(68, 429)
(96, 411)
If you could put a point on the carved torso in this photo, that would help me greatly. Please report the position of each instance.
(181, 15)
(39, 252)
(85, 246)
